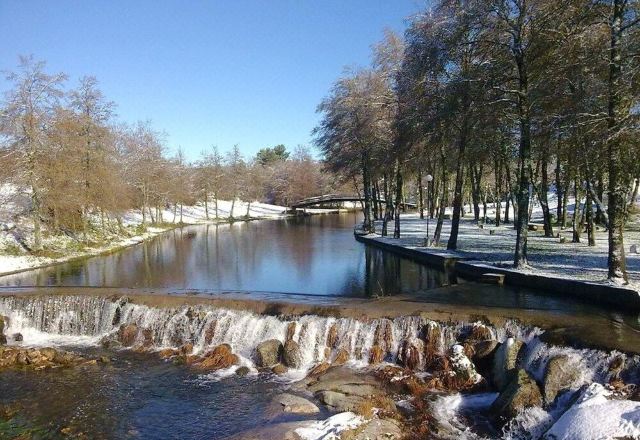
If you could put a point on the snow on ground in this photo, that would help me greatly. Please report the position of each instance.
(496, 245)
(16, 227)
(331, 428)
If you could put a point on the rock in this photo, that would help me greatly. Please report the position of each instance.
(167, 353)
(242, 371)
(218, 358)
(147, 335)
(279, 369)
(127, 334)
(484, 349)
(559, 376)
(105, 359)
(17, 337)
(296, 404)
(463, 367)
(210, 332)
(291, 355)
(594, 415)
(269, 353)
(319, 369)
(433, 341)
(376, 355)
(3, 339)
(522, 392)
(37, 359)
(332, 336)
(340, 402)
(187, 348)
(409, 354)
(379, 429)
(341, 357)
(4, 322)
(291, 331)
(505, 362)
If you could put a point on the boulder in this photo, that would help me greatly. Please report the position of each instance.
(341, 357)
(340, 402)
(4, 322)
(379, 429)
(291, 331)
(433, 341)
(463, 367)
(210, 332)
(291, 355)
(242, 371)
(521, 392)
(319, 369)
(376, 355)
(410, 353)
(127, 334)
(269, 353)
(279, 369)
(147, 335)
(596, 415)
(3, 339)
(218, 358)
(332, 336)
(559, 376)
(167, 353)
(505, 362)
(296, 404)
(34, 358)
(484, 349)
(17, 337)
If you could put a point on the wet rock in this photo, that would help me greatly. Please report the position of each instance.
(187, 348)
(291, 331)
(269, 353)
(4, 322)
(218, 358)
(383, 335)
(147, 335)
(463, 367)
(379, 429)
(3, 339)
(521, 392)
(291, 355)
(319, 369)
(127, 334)
(167, 353)
(505, 362)
(376, 355)
(559, 376)
(279, 369)
(341, 357)
(616, 366)
(340, 402)
(210, 332)
(33, 358)
(409, 354)
(433, 341)
(242, 371)
(332, 336)
(297, 405)
(484, 349)
(17, 337)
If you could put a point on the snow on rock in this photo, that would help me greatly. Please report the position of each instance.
(462, 365)
(331, 428)
(595, 416)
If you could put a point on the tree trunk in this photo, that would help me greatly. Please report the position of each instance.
(399, 184)
(475, 192)
(452, 244)
(591, 229)
(367, 226)
(420, 195)
(542, 194)
(617, 190)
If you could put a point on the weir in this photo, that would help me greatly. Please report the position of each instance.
(88, 320)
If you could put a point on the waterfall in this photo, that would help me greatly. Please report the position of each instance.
(87, 319)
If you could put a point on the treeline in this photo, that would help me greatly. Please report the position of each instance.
(501, 101)
(81, 169)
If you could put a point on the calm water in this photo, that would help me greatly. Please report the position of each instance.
(312, 255)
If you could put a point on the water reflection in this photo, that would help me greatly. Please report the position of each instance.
(312, 255)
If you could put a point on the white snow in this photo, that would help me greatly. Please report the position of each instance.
(330, 428)
(594, 416)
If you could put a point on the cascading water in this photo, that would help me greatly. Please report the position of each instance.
(88, 319)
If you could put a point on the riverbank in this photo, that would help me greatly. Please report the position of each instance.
(16, 237)
(555, 264)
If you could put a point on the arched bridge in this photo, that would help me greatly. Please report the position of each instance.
(334, 200)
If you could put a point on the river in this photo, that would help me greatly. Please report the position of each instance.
(140, 396)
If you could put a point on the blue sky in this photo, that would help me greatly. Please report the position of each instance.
(224, 72)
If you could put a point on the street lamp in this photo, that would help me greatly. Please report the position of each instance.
(428, 178)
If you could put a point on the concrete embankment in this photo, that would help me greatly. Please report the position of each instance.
(610, 295)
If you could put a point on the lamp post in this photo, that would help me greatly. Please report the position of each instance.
(428, 178)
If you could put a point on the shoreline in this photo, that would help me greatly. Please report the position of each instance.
(586, 330)
(147, 236)
(620, 297)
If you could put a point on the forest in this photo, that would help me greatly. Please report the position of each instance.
(507, 102)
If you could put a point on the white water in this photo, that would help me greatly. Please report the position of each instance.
(86, 319)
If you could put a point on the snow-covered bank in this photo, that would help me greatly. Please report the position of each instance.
(16, 231)
(494, 246)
